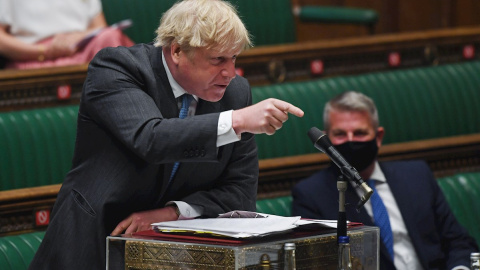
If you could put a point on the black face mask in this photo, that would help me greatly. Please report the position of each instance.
(359, 154)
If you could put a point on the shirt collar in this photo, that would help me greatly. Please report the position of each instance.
(176, 88)
(377, 173)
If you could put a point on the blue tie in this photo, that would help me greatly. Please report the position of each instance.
(380, 215)
(186, 100)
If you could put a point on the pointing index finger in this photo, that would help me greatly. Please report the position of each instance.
(287, 107)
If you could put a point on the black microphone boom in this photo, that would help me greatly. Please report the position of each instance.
(321, 141)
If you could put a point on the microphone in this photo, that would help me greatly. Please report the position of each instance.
(321, 141)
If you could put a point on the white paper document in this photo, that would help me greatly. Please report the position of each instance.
(239, 227)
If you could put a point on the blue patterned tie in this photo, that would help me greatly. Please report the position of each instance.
(186, 100)
(380, 215)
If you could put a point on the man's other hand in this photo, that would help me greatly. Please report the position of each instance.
(142, 221)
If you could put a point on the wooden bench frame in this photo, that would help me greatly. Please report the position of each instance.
(263, 65)
(446, 156)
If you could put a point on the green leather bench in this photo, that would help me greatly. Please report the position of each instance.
(280, 206)
(415, 104)
(17, 251)
(463, 195)
(462, 192)
(276, 25)
(37, 146)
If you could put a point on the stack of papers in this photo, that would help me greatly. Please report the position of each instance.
(239, 227)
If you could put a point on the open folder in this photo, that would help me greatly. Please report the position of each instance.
(240, 224)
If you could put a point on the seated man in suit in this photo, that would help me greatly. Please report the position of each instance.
(165, 131)
(424, 231)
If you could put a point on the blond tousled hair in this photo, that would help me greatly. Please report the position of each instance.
(202, 23)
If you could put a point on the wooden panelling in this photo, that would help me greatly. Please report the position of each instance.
(36, 88)
(395, 16)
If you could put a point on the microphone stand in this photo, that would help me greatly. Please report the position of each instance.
(343, 241)
(342, 215)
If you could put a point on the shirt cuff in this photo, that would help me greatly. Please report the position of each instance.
(461, 267)
(186, 210)
(225, 132)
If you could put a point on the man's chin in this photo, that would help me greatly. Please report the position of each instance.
(215, 95)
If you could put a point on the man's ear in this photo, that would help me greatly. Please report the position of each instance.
(175, 53)
(380, 134)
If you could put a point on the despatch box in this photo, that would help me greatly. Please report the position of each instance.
(314, 250)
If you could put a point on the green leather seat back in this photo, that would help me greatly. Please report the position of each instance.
(145, 15)
(413, 104)
(274, 26)
(333, 14)
(37, 146)
(462, 192)
(17, 251)
(280, 206)
(268, 21)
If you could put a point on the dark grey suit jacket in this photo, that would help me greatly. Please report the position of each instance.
(439, 240)
(128, 137)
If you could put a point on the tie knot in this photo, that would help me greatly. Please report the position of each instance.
(186, 100)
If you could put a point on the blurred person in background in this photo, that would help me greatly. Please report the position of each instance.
(45, 33)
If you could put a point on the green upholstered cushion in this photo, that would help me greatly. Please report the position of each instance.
(37, 146)
(17, 251)
(413, 104)
(280, 206)
(462, 192)
(329, 14)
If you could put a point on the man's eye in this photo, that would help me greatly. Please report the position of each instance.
(217, 60)
(360, 134)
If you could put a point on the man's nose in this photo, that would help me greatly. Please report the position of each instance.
(229, 69)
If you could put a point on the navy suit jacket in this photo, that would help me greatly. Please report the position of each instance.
(439, 240)
(128, 138)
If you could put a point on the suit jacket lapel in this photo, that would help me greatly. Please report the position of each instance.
(164, 97)
(399, 188)
(165, 100)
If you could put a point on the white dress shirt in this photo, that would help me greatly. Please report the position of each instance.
(225, 135)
